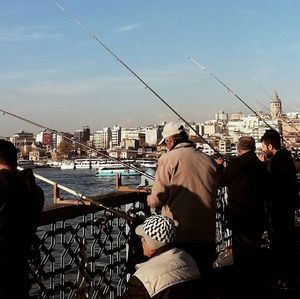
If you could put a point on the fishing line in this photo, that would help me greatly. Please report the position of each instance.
(262, 88)
(79, 143)
(233, 93)
(230, 90)
(118, 59)
(281, 117)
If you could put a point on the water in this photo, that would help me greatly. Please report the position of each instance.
(83, 181)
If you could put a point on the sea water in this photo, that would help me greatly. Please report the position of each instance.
(82, 181)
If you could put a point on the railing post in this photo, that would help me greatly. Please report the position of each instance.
(56, 192)
(118, 181)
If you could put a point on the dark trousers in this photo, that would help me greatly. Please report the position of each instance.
(250, 264)
(283, 242)
(204, 254)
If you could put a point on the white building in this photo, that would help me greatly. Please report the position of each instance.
(102, 138)
(116, 136)
(153, 134)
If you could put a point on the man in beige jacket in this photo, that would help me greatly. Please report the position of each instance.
(185, 188)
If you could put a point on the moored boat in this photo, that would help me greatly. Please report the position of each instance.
(146, 163)
(114, 169)
(67, 164)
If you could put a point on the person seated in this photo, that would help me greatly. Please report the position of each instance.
(169, 272)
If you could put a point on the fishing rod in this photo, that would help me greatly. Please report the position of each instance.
(79, 143)
(231, 91)
(83, 198)
(118, 59)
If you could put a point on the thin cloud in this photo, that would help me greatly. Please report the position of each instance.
(129, 27)
(22, 34)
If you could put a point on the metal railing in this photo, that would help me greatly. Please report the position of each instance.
(84, 251)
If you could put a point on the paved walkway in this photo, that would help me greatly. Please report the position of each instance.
(225, 283)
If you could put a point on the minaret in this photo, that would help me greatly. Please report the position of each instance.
(275, 107)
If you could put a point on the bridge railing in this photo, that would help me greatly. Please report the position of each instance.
(84, 251)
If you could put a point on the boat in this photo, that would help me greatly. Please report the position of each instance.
(84, 163)
(146, 163)
(114, 169)
(23, 163)
(67, 164)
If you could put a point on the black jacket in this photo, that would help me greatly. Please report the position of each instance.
(284, 181)
(21, 204)
(247, 179)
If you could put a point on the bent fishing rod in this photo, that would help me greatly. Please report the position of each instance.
(118, 59)
(231, 91)
(83, 198)
(138, 170)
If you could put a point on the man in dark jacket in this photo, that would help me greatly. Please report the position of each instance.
(21, 204)
(246, 178)
(284, 200)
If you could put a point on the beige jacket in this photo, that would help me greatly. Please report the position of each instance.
(167, 269)
(185, 188)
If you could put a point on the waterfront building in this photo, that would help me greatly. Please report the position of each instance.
(153, 134)
(23, 142)
(211, 127)
(130, 134)
(195, 127)
(102, 138)
(221, 116)
(225, 146)
(82, 135)
(236, 116)
(123, 153)
(206, 149)
(116, 136)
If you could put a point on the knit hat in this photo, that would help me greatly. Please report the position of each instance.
(157, 231)
(170, 129)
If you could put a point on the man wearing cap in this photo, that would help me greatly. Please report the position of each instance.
(185, 189)
(170, 273)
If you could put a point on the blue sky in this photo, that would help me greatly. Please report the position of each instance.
(52, 72)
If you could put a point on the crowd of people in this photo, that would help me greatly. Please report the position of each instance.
(179, 238)
(263, 195)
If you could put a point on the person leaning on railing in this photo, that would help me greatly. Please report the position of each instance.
(21, 205)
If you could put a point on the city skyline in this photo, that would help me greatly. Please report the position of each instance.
(55, 74)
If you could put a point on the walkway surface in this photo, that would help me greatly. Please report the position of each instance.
(225, 282)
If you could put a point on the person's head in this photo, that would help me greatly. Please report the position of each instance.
(173, 133)
(270, 142)
(8, 155)
(245, 144)
(156, 232)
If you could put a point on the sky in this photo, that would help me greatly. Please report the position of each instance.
(55, 73)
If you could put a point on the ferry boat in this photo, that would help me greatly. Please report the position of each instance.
(23, 163)
(82, 163)
(67, 164)
(144, 163)
(114, 169)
